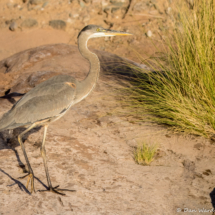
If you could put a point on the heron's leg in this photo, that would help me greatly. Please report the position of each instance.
(43, 153)
(30, 174)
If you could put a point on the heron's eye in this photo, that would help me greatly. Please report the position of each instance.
(98, 29)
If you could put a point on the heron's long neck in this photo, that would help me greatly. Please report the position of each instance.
(87, 85)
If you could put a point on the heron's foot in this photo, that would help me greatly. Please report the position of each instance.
(30, 179)
(56, 190)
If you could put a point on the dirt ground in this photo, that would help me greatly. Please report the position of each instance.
(90, 149)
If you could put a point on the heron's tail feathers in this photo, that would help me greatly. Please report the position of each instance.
(7, 120)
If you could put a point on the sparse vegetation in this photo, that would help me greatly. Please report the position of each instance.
(144, 154)
(183, 94)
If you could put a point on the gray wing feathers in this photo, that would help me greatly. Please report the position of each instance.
(45, 106)
(46, 100)
(49, 87)
(6, 120)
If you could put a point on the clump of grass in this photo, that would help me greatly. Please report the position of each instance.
(183, 94)
(145, 154)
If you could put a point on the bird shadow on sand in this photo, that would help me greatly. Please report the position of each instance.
(21, 185)
(117, 68)
(10, 96)
(10, 137)
(10, 141)
(16, 182)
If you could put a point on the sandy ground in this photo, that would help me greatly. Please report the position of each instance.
(90, 149)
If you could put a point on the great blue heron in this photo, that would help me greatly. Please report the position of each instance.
(51, 99)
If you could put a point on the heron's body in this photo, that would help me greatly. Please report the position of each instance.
(58, 93)
(51, 99)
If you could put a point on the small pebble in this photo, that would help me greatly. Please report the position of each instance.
(29, 23)
(149, 33)
(58, 24)
(168, 10)
(69, 20)
(13, 26)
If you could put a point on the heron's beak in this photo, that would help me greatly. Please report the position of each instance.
(116, 33)
(109, 33)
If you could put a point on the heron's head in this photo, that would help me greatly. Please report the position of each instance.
(94, 31)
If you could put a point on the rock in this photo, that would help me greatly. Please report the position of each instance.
(29, 23)
(69, 20)
(115, 7)
(82, 4)
(149, 33)
(17, 6)
(13, 26)
(58, 24)
(76, 15)
(16, 64)
(36, 2)
(8, 22)
(168, 10)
